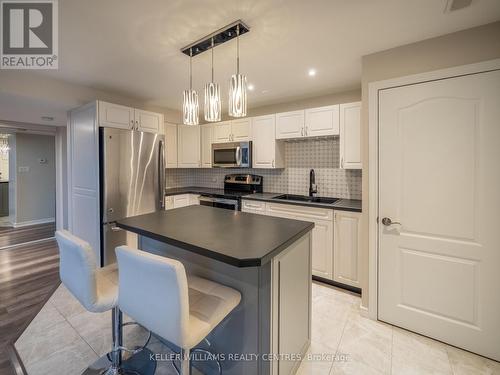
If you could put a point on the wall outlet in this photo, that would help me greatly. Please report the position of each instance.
(23, 169)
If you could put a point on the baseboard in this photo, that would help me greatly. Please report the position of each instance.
(363, 311)
(34, 222)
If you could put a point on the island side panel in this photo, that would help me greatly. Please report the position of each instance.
(291, 306)
(246, 330)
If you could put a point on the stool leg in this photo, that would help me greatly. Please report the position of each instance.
(185, 362)
(117, 318)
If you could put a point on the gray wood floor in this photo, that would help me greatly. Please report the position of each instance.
(28, 275)
(14, 236)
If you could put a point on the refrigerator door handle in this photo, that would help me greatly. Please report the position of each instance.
(161, 174)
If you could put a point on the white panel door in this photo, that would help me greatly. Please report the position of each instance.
(241, 130)
(188, 146)
(115, 116)
(207, 132)
(350, 136)
(171, 145)
(264, 142)
(290, 125)
(222, 132)
(149, 122)
(322, 121)
(439, 270)
(346, 247)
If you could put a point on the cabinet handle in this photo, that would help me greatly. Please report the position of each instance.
(342, 162)
(307, 130)
(132, 124)
(273, 163)
(302, 132)
(137, 125)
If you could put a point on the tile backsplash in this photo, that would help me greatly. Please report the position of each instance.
(320, 154)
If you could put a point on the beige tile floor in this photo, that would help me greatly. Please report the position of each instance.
(351, 344)
(65, 339)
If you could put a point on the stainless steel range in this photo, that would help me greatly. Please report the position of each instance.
(235, 186)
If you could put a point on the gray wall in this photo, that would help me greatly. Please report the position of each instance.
(35, 189)
(464, 47)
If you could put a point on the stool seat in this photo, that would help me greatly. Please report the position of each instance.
(107, 286)
(209, 304)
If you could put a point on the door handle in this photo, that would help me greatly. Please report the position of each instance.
(388, 222)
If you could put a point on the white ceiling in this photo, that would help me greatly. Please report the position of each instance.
(132, 47)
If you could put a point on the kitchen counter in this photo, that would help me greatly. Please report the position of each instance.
(236, 238)
(267, 259)
(341, 204)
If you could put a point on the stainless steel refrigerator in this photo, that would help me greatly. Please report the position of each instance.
(132, 182)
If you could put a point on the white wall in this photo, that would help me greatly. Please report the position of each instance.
(35, 189)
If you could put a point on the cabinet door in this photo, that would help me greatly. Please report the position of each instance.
(206, 145)
(169, 202)
(188, 146)
(149, 122)
(241, 130)
(264, 142)
(322, 121)
(181, 200)
(322, 248)
(171, 145)
(222, 132)
(194, 199)
(346, 250)
(350, 136)
(115, 116)
(290, 125)
(253, 207)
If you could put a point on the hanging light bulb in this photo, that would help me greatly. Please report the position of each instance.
(238, 86)
(190, 105)
(212, 96)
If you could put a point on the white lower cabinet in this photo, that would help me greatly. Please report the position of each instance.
(335, 237)
(346, 254)
(181, 200)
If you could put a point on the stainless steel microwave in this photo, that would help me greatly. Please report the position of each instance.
(232, 155)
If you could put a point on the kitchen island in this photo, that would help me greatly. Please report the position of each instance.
(267, 259)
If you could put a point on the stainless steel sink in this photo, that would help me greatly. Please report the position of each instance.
(305, 198)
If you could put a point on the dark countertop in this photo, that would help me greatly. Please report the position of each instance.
(342, 204)
(237, 238)
(195, 190)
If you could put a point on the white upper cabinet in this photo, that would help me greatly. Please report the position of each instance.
(350, 136)
(222, 132)
(267, 152)
(322, 121)
(346, 254)
(232, 131)
(146, 121)
(116, 116)
(207, 132)
(188, 146)
(171, 145)
(241, 130)
(123, 117)
(290, 125)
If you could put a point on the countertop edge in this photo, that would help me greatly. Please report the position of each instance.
(251, 262)
(297, 203)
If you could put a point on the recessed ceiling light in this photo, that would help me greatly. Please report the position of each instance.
(251, 87)
(47, 118)
(312, 72)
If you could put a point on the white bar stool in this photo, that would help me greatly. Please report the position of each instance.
(97, 290)
(156, 293)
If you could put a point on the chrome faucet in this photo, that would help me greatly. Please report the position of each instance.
(312, 183)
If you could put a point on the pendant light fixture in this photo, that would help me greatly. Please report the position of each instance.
(238, 86)
(212, 96)
(190, 105)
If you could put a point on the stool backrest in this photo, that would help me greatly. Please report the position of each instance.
(153, 290)
(77, 267)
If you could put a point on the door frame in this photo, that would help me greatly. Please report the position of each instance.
(373, 156)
